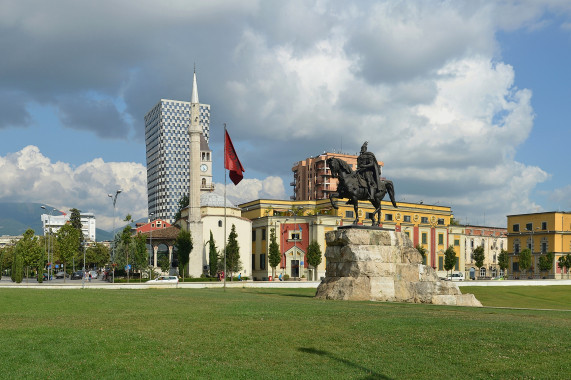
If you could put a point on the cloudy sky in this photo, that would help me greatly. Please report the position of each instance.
(466, 102)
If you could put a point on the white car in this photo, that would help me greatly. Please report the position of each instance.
(456, 277)
(93, 274)
(164, 280)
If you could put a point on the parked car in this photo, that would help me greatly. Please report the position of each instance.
(93, 274)
(458, 276)
(61, 274)
(77, 275)
(46, 277)
(164, 280)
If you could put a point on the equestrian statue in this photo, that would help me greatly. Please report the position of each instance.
(365, 184)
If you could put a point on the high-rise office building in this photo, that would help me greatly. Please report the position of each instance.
(168, 147)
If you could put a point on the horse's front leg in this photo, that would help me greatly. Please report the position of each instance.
(331, 196)
(356, 208)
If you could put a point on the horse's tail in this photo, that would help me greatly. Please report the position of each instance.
(391, 191)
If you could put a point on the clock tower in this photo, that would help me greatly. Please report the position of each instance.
(205, 166)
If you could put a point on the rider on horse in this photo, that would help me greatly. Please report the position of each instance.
(368, 170)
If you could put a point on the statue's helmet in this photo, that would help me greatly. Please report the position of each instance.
(364, 147)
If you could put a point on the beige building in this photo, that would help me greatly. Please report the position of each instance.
(493, 240)
(312, 178)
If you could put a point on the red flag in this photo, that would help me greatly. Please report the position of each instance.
(231, 160)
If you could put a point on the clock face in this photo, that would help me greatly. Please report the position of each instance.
(203, 167)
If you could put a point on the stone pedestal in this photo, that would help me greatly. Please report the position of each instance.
(383, 265)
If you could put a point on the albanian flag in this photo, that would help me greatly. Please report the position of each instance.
(231, 160)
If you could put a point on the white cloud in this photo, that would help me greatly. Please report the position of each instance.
(251, 189)
(29, 176)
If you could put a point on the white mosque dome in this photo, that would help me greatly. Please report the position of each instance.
(212, 199)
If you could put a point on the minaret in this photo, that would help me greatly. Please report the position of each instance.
(194, 217)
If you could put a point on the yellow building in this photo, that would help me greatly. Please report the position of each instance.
(298, 223)
(540, 232)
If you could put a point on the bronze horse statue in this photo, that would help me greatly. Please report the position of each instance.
(352, 186)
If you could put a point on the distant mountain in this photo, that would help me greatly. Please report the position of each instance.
(16, 218)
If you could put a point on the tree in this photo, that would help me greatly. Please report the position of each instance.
(525, 260)
(31, 251)
(183, 246)
(504, 260)
(314, 256)
(97, 255)
(274, 254)
(449, 258)
(67, 240)
(422, 252)
(479, 256)
(140, 254)
(233, 263)
(212, 256)
(17, 266)
(182, 203)
(123, 248)
(6, 258)
(564, 262)
(546, 262)
(164, 263)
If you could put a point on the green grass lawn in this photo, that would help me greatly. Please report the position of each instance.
(276, 333)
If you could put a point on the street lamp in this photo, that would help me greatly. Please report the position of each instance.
(113, 248)
(152, 256)
(49, 241)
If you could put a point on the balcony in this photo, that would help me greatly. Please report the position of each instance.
(207, 187)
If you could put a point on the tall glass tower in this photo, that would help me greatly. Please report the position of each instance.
(167, 142)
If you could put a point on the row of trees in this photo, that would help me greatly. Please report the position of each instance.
(525, 259)
(30, 253)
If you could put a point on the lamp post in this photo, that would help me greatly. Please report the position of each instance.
(49, 241)
(151, 257)
(113, 248)
(84, 243)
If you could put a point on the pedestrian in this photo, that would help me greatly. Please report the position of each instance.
(240, 277)
(280, 277)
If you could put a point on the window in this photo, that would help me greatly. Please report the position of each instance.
(369, 215)
(544, 226)
(424, 238)
(456, 242)
(543, 247)
(440, 221)
(349, 214)
(516, 227)
(253, 262)
(253, 235)
(516, 247)
(294, 235)
(406, 218)
(424, 219)
(263, 261)
(440, 263)
(219, 223)
(263, 234)
(529, 226)
(472, 243)
(482, 272)
(407, 233)
(440, 239)
(388, 216)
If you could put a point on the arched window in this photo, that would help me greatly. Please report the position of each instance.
(219, 223)
(482, 272)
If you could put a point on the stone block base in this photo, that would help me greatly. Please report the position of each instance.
(383, 265)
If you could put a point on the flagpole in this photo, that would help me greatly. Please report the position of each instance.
(224, 208)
